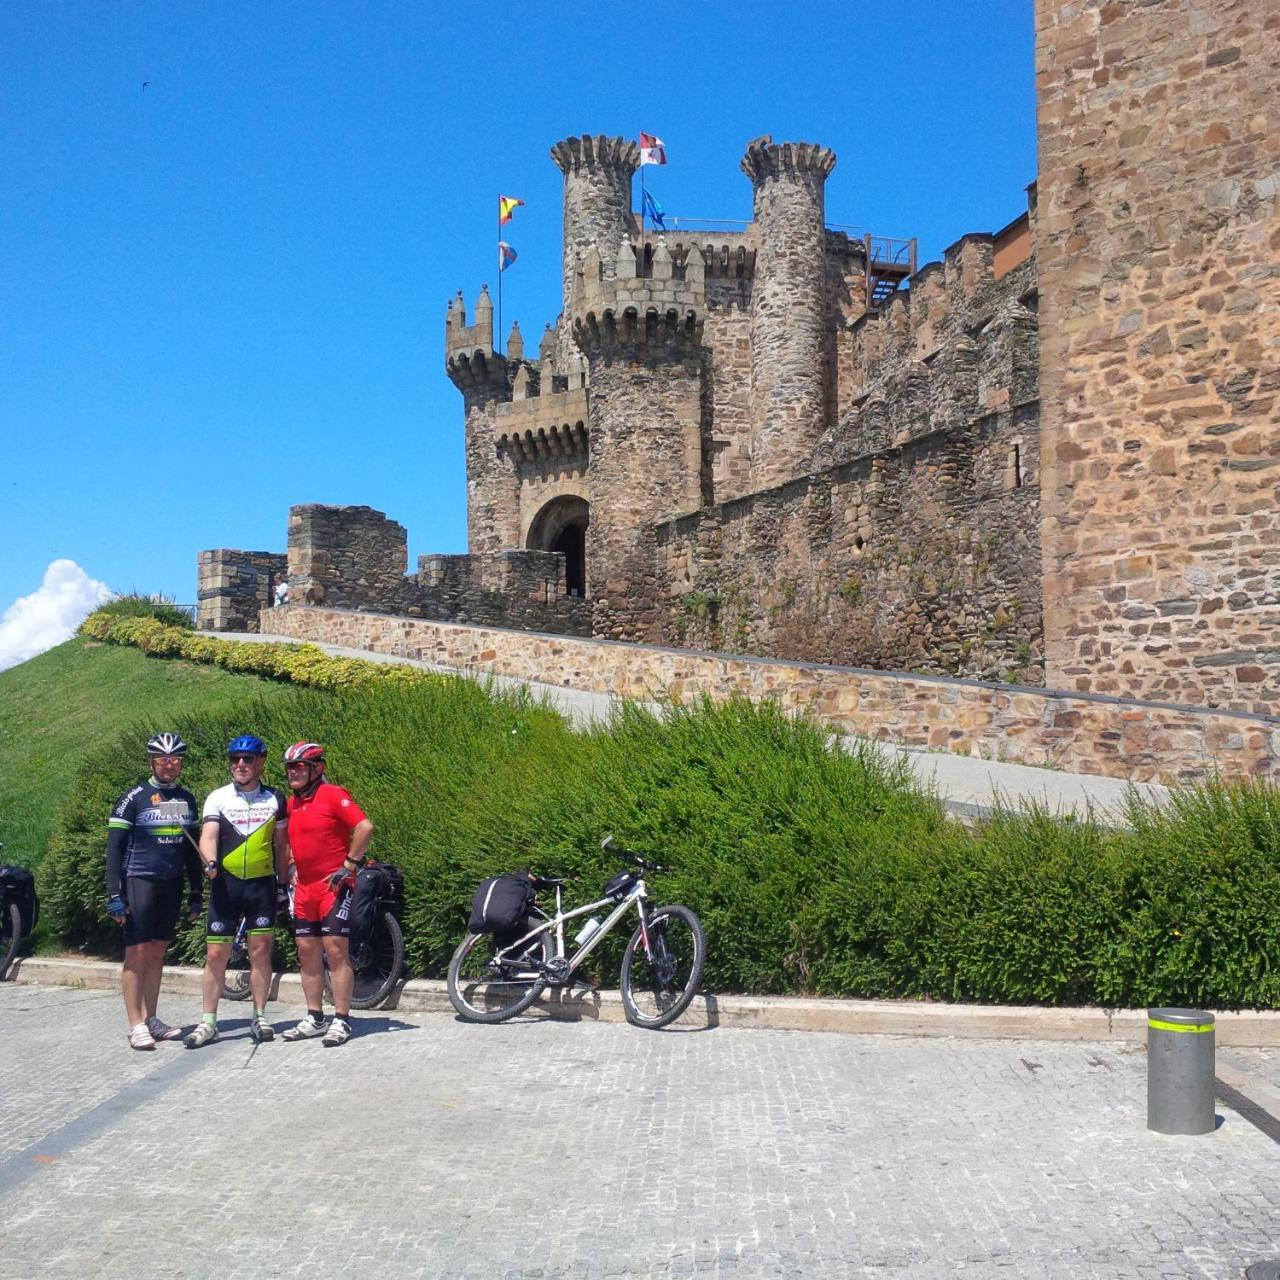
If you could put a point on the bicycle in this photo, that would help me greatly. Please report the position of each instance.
(492, 979)
(376, 961)
(19, 911)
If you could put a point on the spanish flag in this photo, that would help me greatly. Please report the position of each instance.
(507, 205)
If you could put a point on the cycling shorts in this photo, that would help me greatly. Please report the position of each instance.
(319, 912)
(153, 907)
(231, 899)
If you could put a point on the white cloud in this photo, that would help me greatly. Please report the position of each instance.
(50, 615)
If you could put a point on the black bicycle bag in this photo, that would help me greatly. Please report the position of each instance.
(501, 904)
(379, 887)
(17, 884)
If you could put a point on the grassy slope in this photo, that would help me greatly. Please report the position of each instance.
(56, 708)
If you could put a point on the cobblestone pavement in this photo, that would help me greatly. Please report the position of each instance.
(427, 1147)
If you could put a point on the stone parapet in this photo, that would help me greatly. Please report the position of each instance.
(233, 587)
(624, 308)
(1141, 741)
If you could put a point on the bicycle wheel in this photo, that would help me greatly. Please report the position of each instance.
(235, 985)
(657, 986)
(483, 989)
(377, 964)
(10, 934)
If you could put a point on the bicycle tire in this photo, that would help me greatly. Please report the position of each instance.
(10, 935)
(655, 992)
(377, 964)
(481, 995)
(235, 983)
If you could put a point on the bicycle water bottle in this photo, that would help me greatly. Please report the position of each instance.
(588, 931)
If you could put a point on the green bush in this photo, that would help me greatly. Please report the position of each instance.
(814, 869)
(134, 604)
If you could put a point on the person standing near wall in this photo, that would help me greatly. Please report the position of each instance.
(149, 843)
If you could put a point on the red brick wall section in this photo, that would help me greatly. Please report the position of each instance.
(1159, 265)
(1031, 726)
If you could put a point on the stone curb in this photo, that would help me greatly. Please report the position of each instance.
(1245, 1030)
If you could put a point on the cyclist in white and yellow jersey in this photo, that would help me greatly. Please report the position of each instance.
(244, 849)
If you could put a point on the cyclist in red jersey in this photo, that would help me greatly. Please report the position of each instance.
(328, 838)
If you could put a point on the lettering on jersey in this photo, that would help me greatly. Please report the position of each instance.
(165, 811)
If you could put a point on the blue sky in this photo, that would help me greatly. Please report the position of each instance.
(225, 291)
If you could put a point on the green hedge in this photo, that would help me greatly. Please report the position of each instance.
(814, 870)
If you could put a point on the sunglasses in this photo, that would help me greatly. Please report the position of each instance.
(242, 759)
(168, 759)
(301, 764)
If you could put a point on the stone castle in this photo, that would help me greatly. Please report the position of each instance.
(1051, 458)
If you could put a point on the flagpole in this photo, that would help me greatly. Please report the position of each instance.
(642, 202)
(497, 346)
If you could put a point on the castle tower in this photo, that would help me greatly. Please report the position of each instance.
(642, 339)
(788, 312)
(1160, 358)
(485, 379)
(597, 202)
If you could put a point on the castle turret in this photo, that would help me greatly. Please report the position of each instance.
(788, 305)
(597, 199)
(485, 379)
(643, 341)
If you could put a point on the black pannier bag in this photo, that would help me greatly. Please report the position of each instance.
(17, 884)
(378, 884)
(501, 904)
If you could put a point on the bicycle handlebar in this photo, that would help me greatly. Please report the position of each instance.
(608, 846)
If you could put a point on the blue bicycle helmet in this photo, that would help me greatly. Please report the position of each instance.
(246, 745)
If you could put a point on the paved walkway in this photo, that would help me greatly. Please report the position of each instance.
(967, 786)
(428, 1147)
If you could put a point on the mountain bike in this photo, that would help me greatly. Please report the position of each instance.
(492, 978)
(377, 961)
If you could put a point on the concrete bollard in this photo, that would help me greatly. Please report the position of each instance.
(1180, 1064)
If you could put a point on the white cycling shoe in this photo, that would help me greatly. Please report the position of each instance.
(339, 1032)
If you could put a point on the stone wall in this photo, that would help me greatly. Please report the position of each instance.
(1083, 733)
(1159, 265)
(916, 545)
(233, 587)
(348, 558)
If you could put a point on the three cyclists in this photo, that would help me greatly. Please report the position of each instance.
(252, 842)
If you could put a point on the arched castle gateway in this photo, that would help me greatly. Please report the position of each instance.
(760, 442)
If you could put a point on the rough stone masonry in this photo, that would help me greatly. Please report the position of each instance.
(788, 442)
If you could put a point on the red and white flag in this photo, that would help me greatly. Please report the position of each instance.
(652, 150)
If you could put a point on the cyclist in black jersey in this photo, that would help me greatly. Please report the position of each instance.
(149, 845)
(243, 849)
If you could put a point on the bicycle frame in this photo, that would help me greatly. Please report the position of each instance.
(635, 895)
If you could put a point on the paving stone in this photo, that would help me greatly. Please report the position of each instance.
(429, 1147)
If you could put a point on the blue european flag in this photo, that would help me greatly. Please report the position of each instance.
(654, 211)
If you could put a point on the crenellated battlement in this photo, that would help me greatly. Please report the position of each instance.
(470, 359)
(767, 159)
(596, 151)
(626, 309)
(955, 295)
(551, 429)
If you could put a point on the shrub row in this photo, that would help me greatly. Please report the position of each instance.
(814, 870)
(302, 664)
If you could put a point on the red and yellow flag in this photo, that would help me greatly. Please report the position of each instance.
(507, 205)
